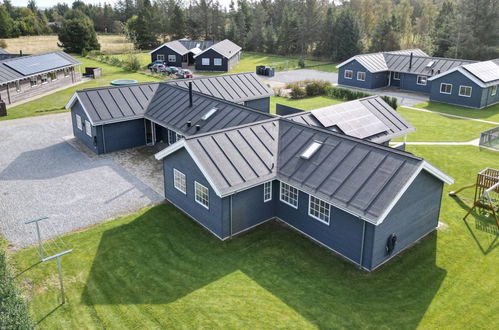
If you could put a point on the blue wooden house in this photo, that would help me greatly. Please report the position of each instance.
(364, 201)
(413, 70)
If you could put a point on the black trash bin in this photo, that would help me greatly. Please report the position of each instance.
(260, 69)
(271, 71)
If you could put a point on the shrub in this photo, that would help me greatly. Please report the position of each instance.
(297, 92)
(392, 101)
(3, 44)
(316, 87)
(301, 63)
(13, 308)
(131, 63)
(113, 60)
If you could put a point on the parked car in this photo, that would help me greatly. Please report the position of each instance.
(150, 65)
(172, 69)
(184, 74)
(159, 68)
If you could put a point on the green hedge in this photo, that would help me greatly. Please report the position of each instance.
(13, 309)
(349, 94)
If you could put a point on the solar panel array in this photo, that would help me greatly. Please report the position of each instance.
(354, 119)
(34, 64)
(486, 71)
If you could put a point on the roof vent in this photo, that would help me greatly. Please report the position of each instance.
(198, 128)
(311, 150)
(209, 114)
(429, 65)
(189, 124)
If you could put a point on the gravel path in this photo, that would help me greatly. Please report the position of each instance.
(43, 175)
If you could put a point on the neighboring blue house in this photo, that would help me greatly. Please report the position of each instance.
(205, 55)
(362, 200)
(413, 70)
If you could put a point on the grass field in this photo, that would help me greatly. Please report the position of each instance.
(157, 269)
(433, 127)
(110, 43)
(490, 113)
(54, 103)
(308, 103)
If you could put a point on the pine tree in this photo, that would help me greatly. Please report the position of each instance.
(327, 44)
(347, 28)
(445, 29)
(177, 23)
(6, 23)
(141, 31)
(385, 37)
(77, 34)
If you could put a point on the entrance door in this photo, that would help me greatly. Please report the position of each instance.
(150, 132)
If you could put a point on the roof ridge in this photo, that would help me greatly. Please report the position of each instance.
(33, 55)
(432, 57)
(123, 86)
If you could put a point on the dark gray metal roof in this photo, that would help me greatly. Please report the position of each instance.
(420, 64)
(239, 87)
(414, 51)
(184, 46)
(225, 48)
(170, 108)
(113, 104)
(354, 121)
(23, 67)
(3, 51)
(201, 44)
(360, 177)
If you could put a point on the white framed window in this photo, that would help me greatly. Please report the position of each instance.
(172, 58)
(33, 81)
(348, 74)
(179, 181)
(79, 123)
(289, 195)
(445, 88)
(465, 91)
(88, 128)
(493, 90)
(202, 195)
(53, 76)
(318, 209)
(217, 61)
(44, 78)
(267, 191)
(18, 86)
(160, 57)
(422, 80)
(205, 61)
(361, 76)
(66, 72)
(396, 76)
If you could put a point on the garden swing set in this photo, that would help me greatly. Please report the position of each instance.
(486, 193)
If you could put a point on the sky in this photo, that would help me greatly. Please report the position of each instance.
(50, 3)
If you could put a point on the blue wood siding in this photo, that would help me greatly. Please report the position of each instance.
(343, 234)
(211, 55)
(262, 104)
(373, 80)
(408, 81)
(395, 82)
(80, 134)
(122, 135)
(457, 79)
(415, 215)
(487, 98)
(167, 51)
(211, 218)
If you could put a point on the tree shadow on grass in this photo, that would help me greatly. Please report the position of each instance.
(163, 256)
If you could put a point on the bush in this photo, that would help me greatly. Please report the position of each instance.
(3, 44)
(13, 309)
(297, 92)
(301, 63)
(392, 101)
(316, 87)
(131, 63)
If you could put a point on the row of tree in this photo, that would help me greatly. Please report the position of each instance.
(329, 29)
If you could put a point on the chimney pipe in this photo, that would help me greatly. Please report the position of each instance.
(410, 62)
(20, 52)
(189, 124)
(198, 128)
(190, 94)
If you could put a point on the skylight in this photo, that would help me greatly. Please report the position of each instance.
(209, 114)
(311, 149)
(429, 65)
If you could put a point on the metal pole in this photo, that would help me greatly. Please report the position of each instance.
(39, 239)
(60, 278)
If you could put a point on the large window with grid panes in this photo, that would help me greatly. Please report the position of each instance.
(202, 194)
(289, 195)
(319, 209)
(179, 181)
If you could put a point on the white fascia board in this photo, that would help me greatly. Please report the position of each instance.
(346, 62)
(464, 72)
(73, 100)
(183, 144)
(152, 51)
(423, 166)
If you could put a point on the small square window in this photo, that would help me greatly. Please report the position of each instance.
(88, 128)
(493, 90)
(202, 195)
(348, 74)
(396, 76)
(289, 195)
(160, 57)
(465, 91)
(422, 80)
(33, 81)
(445, 88)
(53, 76)
(44, 78)
(18, 86)
(179, 181)
(172, 58)
(361, 76)
(205, 61)
(79, 124)
(217, 61)
(319, 209)
(267, 191)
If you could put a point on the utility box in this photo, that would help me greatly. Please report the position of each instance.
(93, 72)
(3, 109)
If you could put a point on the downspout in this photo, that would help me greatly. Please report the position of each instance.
(362, 244)
(230, 217)
(103, 139)
(389, 78)
(8, 94)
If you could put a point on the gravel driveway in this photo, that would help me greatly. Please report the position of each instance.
(41, 174)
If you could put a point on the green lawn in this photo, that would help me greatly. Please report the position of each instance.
(308, 103)
(490, 113)
(157, 269)
(433, 127)
(55, 102)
